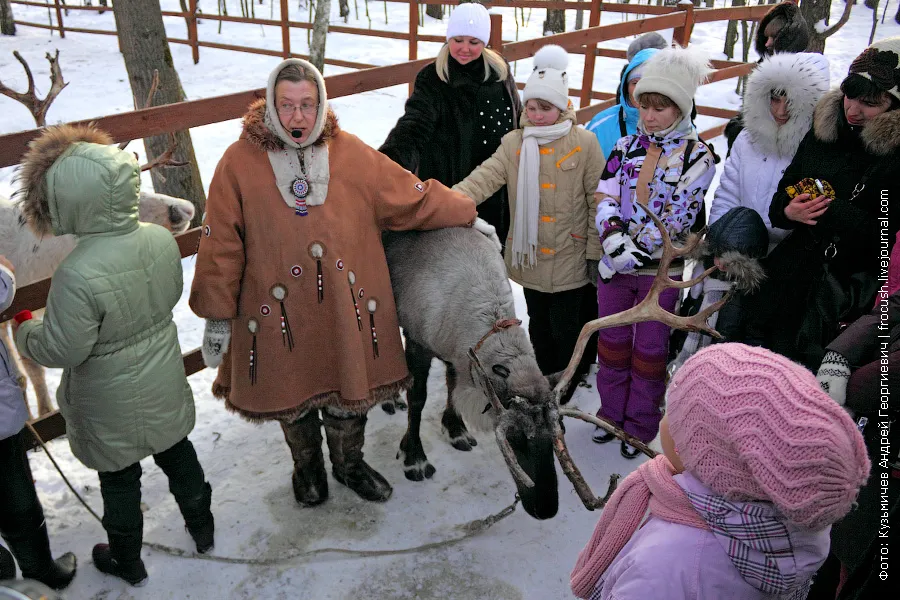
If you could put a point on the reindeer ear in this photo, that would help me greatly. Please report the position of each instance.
(501, 371)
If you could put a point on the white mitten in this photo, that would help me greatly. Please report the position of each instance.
(833, 375)
(623, 254)
(488, 230)
(216, 336)
(605, 271)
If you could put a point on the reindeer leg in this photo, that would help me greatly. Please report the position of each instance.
(415, 464)
(35, 373)
(452, 422)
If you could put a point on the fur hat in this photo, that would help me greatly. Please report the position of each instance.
(549, 80)
(755, 426)
(803, 78)
(792, 36)
(675, 73)
(880, 64)
(648, 40)
(471, 19)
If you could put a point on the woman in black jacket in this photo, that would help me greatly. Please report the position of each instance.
(460, 108)
(825, 272)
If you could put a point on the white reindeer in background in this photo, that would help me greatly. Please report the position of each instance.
(36, 258)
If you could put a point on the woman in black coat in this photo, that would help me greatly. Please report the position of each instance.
(460, 108)
(825, 272)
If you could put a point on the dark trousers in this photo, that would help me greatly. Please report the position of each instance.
(121, 491)
(18, 499)
(554, 322)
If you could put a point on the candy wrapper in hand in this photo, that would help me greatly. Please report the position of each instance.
(809, 186)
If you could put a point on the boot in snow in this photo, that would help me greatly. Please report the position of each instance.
(304, 438)
(345, 437)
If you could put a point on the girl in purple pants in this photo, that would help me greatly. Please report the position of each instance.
(664, 168)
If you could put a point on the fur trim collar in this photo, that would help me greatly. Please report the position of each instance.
(804, 79)
(256, 132)
(42, 152)
(880, 136)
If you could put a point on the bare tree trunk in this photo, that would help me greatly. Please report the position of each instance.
(556, 21)
(874, 8)
(731, 33)
(815, 11)
(344, 8)
(579, 20)
(142, 39)
(435, 11)
(319, 33)
(7, 26)
(102, 3)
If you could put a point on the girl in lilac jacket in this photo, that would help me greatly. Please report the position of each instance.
(758, 463)
(665, 169)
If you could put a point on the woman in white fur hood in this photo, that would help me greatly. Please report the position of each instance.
(778, 111)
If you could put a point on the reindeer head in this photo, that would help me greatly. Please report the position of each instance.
(522, 423)
(526, 413)
(174, 214)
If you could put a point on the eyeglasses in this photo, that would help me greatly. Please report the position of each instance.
(307, 108)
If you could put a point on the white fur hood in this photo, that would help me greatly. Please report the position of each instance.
(804, 79)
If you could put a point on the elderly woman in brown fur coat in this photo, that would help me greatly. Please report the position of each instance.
(293, 282)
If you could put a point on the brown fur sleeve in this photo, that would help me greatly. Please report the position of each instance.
(220, 258)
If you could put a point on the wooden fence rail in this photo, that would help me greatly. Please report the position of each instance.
(185, 115)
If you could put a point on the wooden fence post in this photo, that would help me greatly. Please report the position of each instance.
(496, 41)
(193, 38)
(682, 35)
(413, 34)
(590, 58)
(59, 19)
(285, 30)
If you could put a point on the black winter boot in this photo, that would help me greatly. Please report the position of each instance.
(7, 565)
(30, 545)
(304, 438)
(346, 436)
(121, 558)
(198, 518)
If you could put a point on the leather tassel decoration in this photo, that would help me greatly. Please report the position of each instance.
(253, 326)
(372, 306)
(351, 277)
(279, 292)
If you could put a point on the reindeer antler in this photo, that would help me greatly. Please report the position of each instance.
(647, 310)
(37, 106)
(166, 159)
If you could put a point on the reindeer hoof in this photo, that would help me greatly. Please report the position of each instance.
(388, 407)
(419, 471)
(464, 443)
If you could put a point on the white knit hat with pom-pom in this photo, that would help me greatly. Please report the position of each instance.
(676, 73)
(549, 80)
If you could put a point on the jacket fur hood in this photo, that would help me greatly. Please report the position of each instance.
(803, 78)
(794, 34)
(256, 132)
(42, 152)
(880, 136)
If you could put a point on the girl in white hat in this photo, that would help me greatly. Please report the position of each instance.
(551, 169)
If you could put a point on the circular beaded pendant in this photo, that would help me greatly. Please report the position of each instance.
(300, 187)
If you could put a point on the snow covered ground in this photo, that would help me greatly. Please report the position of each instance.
(266, 545)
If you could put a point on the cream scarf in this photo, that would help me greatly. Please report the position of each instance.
(528, 190)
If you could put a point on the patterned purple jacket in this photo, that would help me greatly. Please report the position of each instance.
(676, 189)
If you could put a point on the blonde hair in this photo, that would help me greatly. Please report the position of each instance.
(492, 60)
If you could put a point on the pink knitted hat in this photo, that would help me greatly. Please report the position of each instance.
(752, 425)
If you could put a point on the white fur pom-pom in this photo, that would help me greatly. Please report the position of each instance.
(551, 56)
(690, 63)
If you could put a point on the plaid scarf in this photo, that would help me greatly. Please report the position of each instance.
(757, 542)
